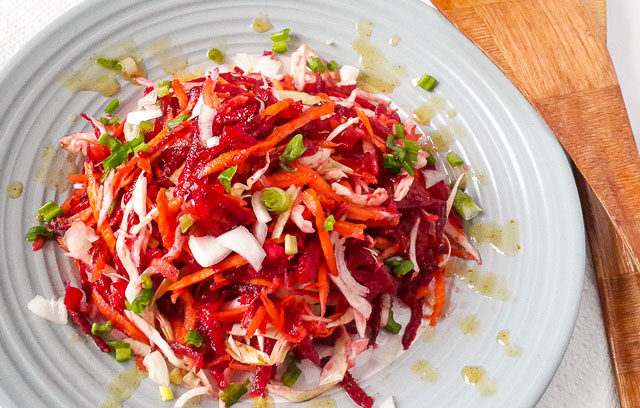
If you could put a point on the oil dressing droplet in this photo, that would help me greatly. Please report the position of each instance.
(425, 371)
(261, 24)
(512, 349)
(323, 403)
(477, 377)
(505, 238)
(377, 75)
(469, 325)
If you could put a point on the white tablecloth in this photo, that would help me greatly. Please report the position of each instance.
(584, 378)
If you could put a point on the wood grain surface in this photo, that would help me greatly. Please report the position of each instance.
(554, 52)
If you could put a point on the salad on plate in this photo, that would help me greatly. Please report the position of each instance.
(236, 230)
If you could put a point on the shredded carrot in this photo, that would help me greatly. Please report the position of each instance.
(257, 321)
(277, 107)
(66, 206)
(119, 321)
(440, 296)
(229, 263)
(372, 137)
(178, 91)
(234, 157)
(271, 311)
(349, 229)
(231, 314)
(209, 97)
(388, 252)
(323, 288)
(310, 199)
(77, 178)
(190, 317)
(241, 367)
(166, 223)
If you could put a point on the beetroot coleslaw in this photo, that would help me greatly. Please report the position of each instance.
(232, 229)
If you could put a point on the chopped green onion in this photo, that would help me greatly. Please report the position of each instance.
(233, 392)
(120, 152)
(107, 63)
(393, 261)
(315, 64)
(392, 326)
(109, 141)
(175, 122)
(465, 206)
(123, 354)
(147, 283)
(294, 149)
(186, 221)
(226, 176)
(290, 244)
(328, 223)
(116, 344)
(38, 231)
(405, 156)
(403, 268)
(166, 393)
(427, 82)
(280, 47)
(145, 126)
(123, 350)
(143, 300)
(101, 329)
(162, 90)
(431, 161)
(216, 55)
(49, 211)
(398, 129)
(112, 106)
(282, 35)
(292, 374)
(454, 159)
(276, 199)
(333, 66)
(194, 337)
(111, 121)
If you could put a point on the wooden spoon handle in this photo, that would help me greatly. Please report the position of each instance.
(553, 52)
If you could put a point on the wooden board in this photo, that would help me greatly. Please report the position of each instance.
(554, 51)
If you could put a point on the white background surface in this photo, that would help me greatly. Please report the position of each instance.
(584, 378)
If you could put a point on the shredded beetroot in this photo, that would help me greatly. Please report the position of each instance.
(356, 393)
(85, 326)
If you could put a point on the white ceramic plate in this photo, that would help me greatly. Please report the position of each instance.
(530, 181)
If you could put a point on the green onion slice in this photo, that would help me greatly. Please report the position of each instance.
(294, 149)
(112, 106)
(403, 268)
(392, 326)
(175, 122)
(101, 329)
(454, 159)
(315, 64)
(216, 55)
(186, 221)
(50, 211)
(280, 47)
(292, 374)
(333, 66)
(226, 176)
(328, 223)
(194, 338)
(233, 392)
(38, 231)
(108, 63)
(465, 206)
(282, 35)
(276, 199)
(427, 82)
(123, 354)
